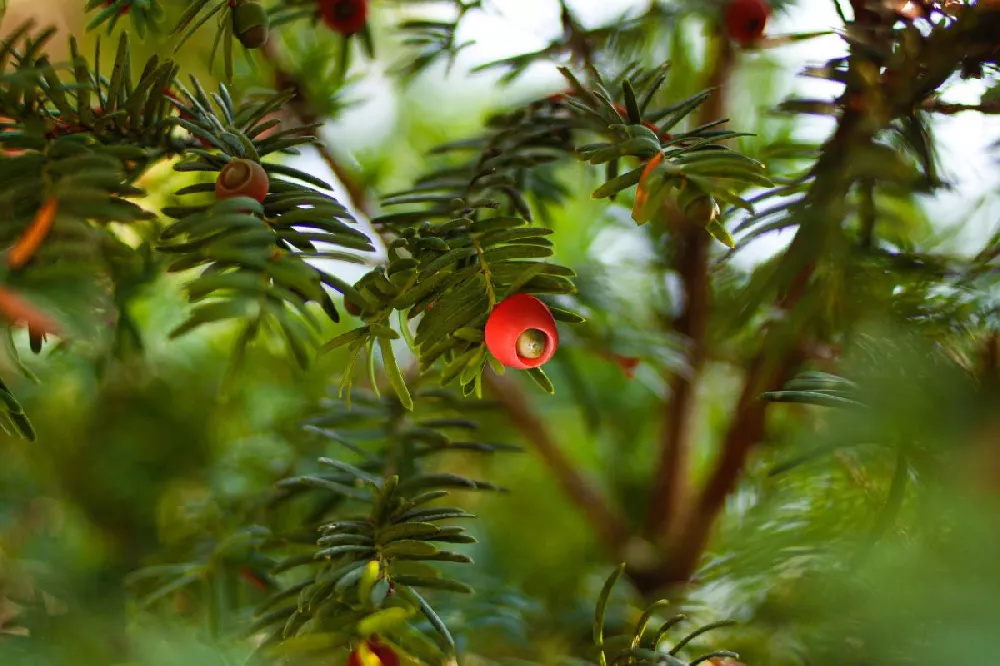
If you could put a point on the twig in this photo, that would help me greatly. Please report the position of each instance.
(937, 106)
(671, 483)
(610, 527)
(305, 115)
(941, 53)
(575, 37)
(299, 107)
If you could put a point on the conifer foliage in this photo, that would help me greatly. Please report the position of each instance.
(357, 554)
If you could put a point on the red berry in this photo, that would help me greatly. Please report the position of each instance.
(746, 19)
(521, 332)
(242, 178)
(385, 654)
(347, 17)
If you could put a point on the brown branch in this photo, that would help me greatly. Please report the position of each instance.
(941, 53)
(575, 38)
(671, 483)
(937, 106)
(768, 371)
(300, 108)
(608, 525)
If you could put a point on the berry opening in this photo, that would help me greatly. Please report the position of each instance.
(235, 175)
(532, 344)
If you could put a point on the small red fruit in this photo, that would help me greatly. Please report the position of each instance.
(746, 19)
(385, 655)
(242, 178)
(347, 17)
(521, 332)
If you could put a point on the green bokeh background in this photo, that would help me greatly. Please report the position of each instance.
(123, 448)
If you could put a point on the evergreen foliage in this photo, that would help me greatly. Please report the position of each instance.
(282, 465)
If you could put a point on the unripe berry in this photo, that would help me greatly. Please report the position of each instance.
(242, 178)
(251, 24)
(521, 332)
(347, 17)
(746, 19)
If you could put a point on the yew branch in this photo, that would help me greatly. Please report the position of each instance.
(671, 483)
(300, 108)
(822, 214)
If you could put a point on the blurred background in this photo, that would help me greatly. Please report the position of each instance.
(132, 456)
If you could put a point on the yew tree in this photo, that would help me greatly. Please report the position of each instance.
(500, 389)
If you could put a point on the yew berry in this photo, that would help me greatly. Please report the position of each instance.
(746, 19)
(521, 332)
(347, 17)
(242, 178)
(384, 654)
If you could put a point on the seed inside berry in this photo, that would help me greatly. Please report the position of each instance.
(531, 344)
(235, 174)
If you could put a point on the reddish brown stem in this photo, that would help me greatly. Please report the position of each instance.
(746, 429)
(300, 108)
(671, 484)
(769, 370)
